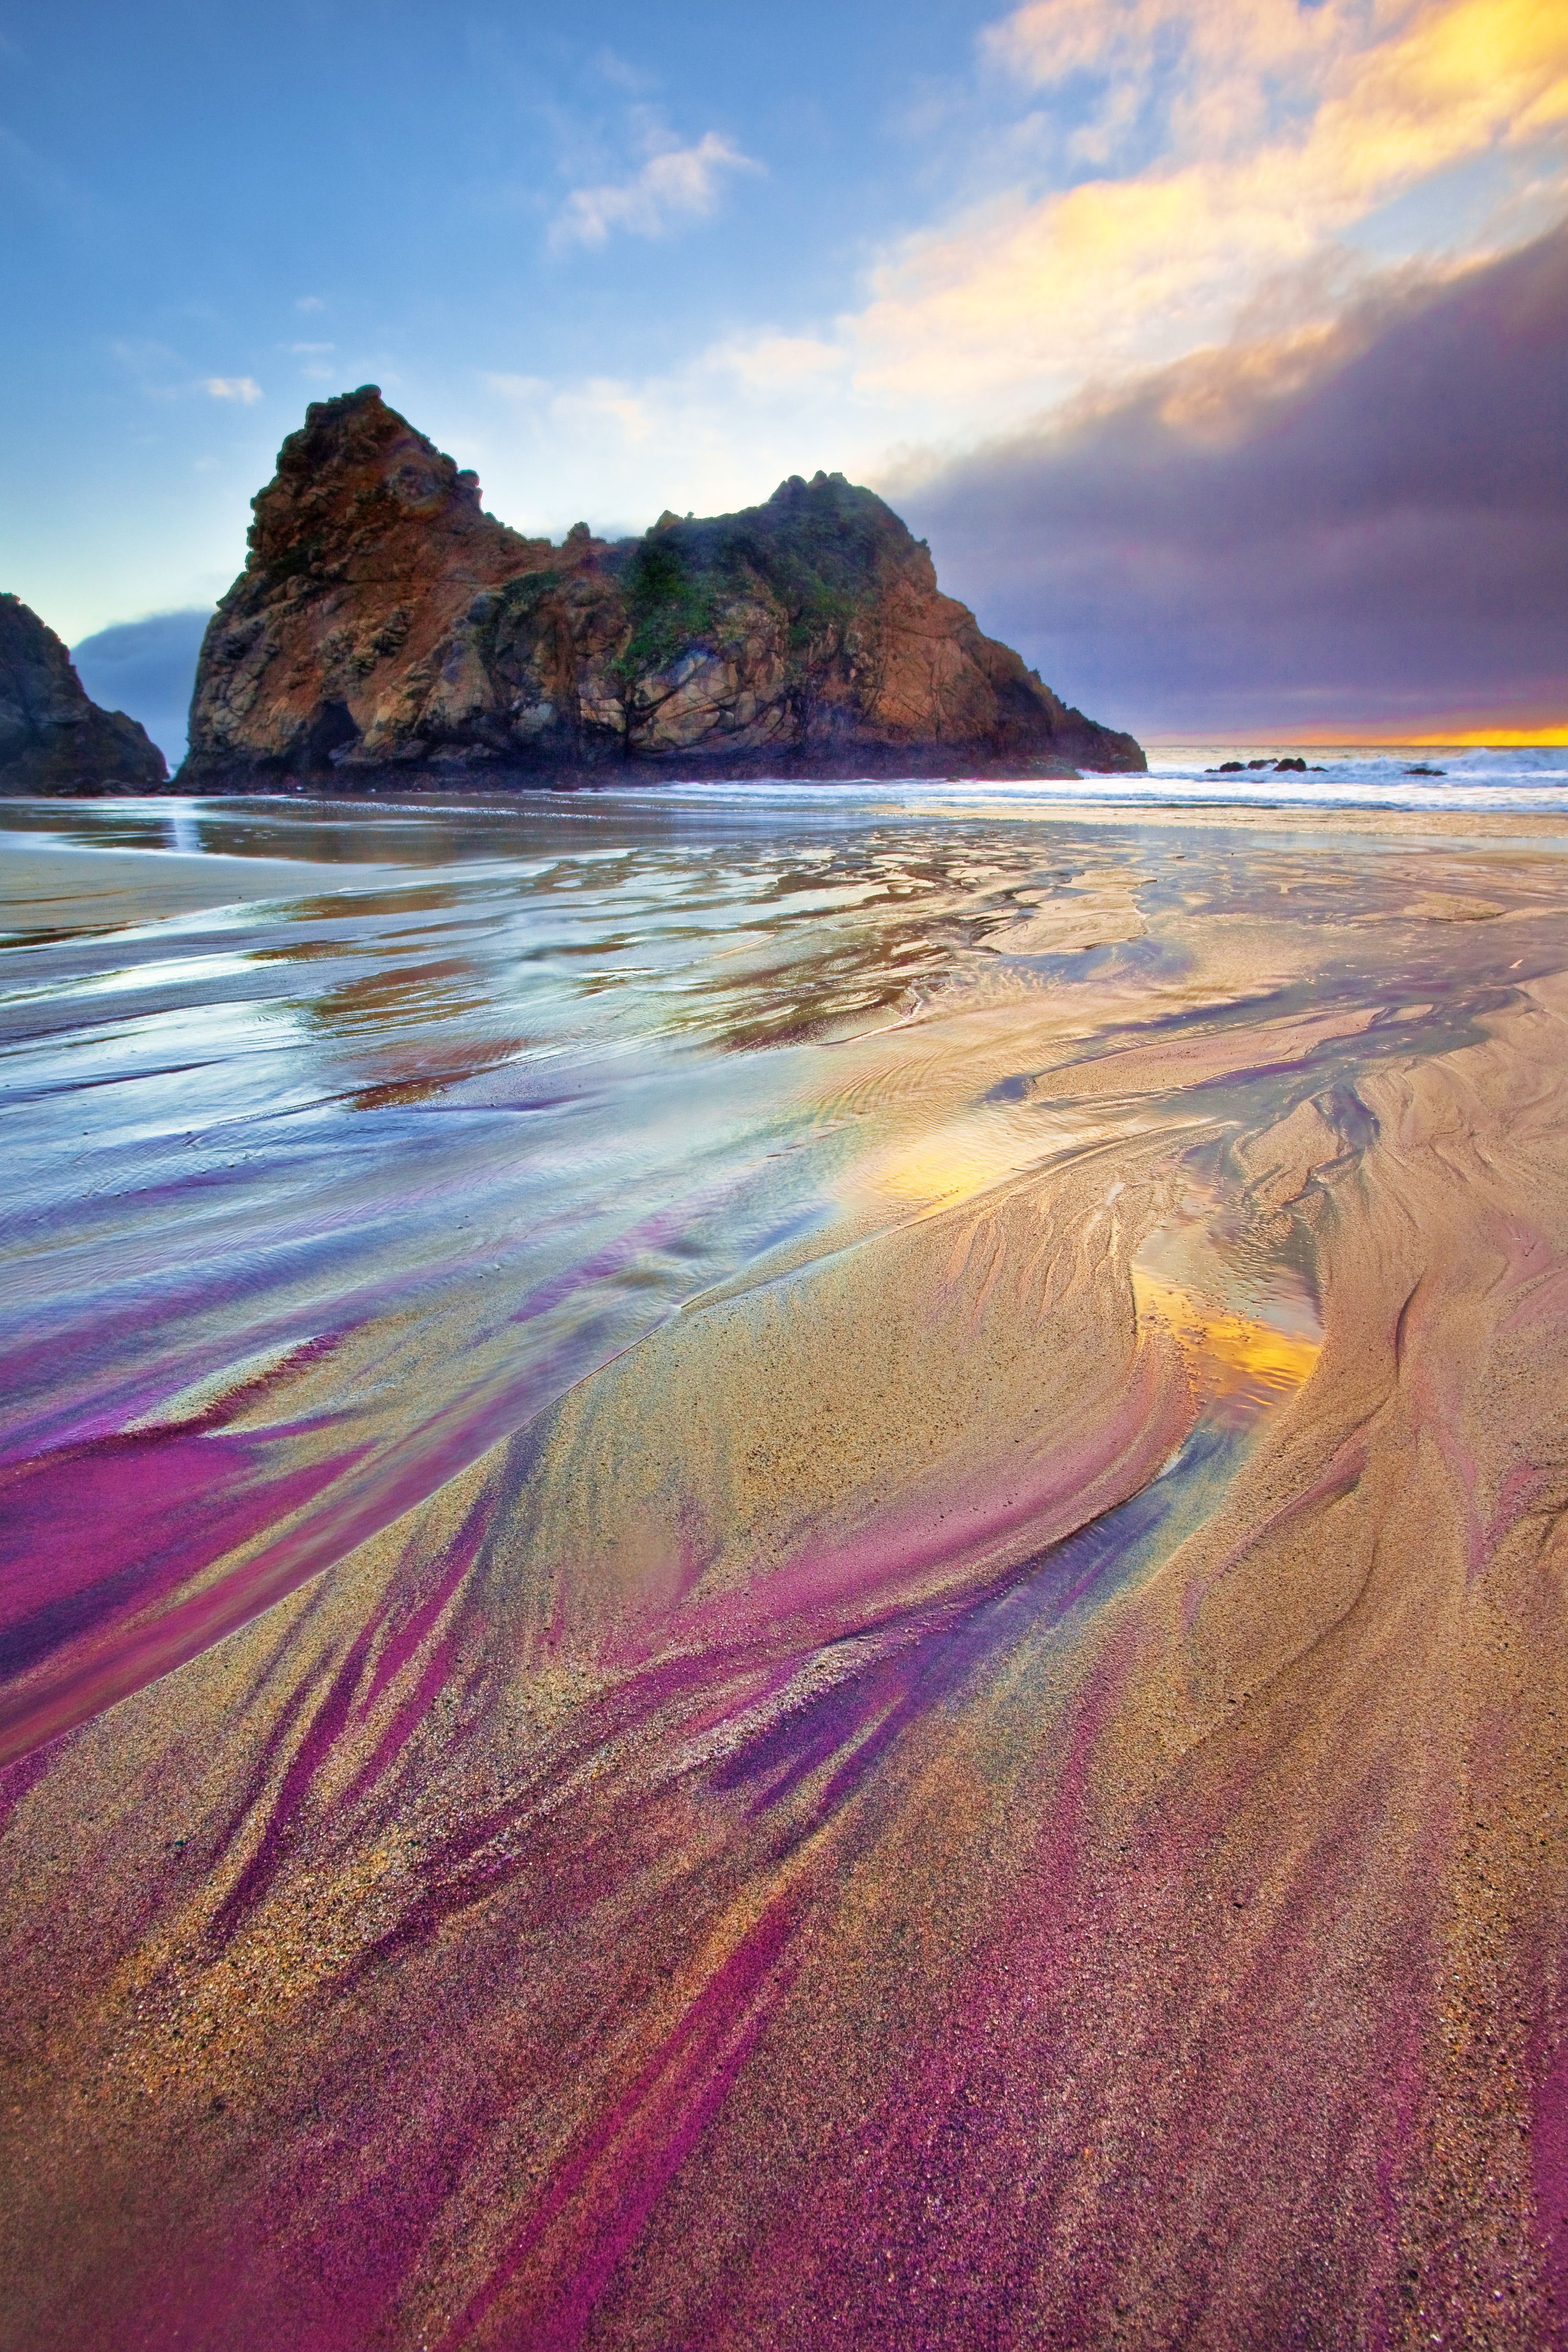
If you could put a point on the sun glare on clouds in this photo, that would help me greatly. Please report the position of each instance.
(1172, 168)
(1283, 129)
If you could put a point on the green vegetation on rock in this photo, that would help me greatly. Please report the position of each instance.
(817, 551)
(672, 601)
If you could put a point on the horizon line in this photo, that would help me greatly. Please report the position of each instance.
(1473, 739)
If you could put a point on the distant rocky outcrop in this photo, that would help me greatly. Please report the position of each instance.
(52, 738)
(384, 622)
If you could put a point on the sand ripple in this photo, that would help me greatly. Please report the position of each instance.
(991, 1774)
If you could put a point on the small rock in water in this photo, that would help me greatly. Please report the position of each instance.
(1425, 771)
(1298, 766)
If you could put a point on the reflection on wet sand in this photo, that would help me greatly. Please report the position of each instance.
(757, 1601)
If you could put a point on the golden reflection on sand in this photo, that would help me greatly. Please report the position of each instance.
(1225, 1345)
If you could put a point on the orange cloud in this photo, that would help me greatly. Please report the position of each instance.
(1284, 129)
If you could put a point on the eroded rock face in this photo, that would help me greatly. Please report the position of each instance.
(384, 622)
(52, 738)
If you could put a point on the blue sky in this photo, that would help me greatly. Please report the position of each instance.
(620, 258)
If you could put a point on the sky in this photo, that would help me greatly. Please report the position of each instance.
(1216, 345)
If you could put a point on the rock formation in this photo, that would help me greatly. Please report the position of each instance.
(52, 738)
(384, 622)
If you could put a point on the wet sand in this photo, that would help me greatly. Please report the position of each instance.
(993, 1777)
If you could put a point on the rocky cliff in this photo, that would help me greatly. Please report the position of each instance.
(384, 622)
(52, 738)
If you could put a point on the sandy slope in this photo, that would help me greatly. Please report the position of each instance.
(1002, 1785)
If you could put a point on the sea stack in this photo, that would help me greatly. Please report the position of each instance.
(52, 738)
(385, 624)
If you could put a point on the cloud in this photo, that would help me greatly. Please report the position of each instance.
(1046, 43)
(1359, 524)
(1146, 178)
(161, 374)
(768, 361)
(309, 302)
(620, 70)
(1264, 133)
(716, 433)
(676, 185)
(313, 359)
(1149, 181)
(516, 387)
(146, 669)
(601, 401)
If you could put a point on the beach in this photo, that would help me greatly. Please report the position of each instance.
(788, 1571)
